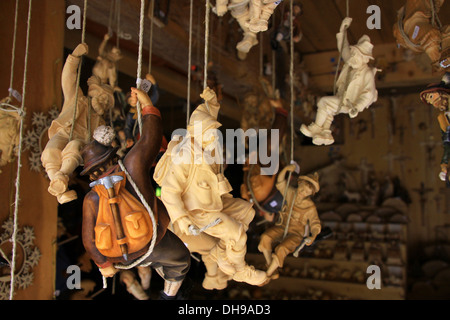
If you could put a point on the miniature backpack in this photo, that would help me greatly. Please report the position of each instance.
(135, 219)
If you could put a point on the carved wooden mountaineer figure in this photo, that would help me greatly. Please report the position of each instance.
(438, 96)
(356, 88)
(61, 155)
(106, 66)
(123, 237)
(197, 194)
(304, 217)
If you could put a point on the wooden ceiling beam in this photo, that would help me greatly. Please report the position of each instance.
(169, 79)
(398, 73)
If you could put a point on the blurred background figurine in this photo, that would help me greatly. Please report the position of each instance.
(9, 133)
(106, 65)
(419, 29)
(356, 89)
(62, 156)
(260, 13)
(438, 96)
(299, 221)
(239, 10)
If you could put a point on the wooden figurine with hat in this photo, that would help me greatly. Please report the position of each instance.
(356, 90)
(198, 198)
(106, 66)
(438, 96)
(124, 223)
(69, 132)
(299, 221)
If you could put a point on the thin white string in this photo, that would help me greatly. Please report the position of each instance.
(83, 37)
(188, 110)
(118, 5)
(340, 53)
(19, 158)
(150, 51)
(139, 69)
(291, 73)
(13, 54)
(207, 10)
(205, 76)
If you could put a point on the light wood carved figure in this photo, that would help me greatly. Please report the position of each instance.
(437, 95)
(61, 156)
(418, 28)
(258, 110)
(106, 65)
(260, 13)
(304, 213)
(239, 9)
(356, 90)
(9, 134)
(196, 194)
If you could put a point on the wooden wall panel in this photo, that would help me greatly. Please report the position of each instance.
(37, 208)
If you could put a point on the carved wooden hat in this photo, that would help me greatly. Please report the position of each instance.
(365, 46)
(203, 117)
(99, 150)
(443, 86)
(313, 179)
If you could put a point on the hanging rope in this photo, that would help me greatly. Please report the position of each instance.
(19, 157)
(205, 70)
(150, 51)
(261, 55)
(205, 77)
(110, 20)
(139, 69)
(341, 49)
(274, 58)
(291, 74)
(13, 53)
(118, 31)
(83, 37)
(188, 103)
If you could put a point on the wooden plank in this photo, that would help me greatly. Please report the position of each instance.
(407, 73)
(37, 208)
(168, 80)
(171, 44)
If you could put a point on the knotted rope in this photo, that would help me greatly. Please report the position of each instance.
(19, 157)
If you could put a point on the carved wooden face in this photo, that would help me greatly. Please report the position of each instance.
(305, 189)
(437, 100)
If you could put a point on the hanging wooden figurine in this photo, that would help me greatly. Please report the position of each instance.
(198, 200)
(438, 96)
(70, 131)
(260, 13)
(106, 65)
(9, 132)
(419, 29)
(282, 33)
(299, 221)
(240, 11)
(124, 224)
(257, 108)
(258, 188)
(356, 90)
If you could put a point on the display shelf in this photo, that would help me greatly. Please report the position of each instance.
(339, 265)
